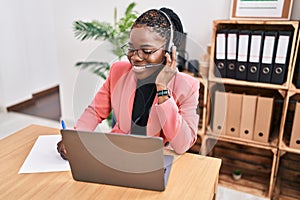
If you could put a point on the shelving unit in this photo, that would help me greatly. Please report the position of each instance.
(262, 163)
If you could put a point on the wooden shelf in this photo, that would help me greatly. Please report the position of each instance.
(269, 146)
(284, 147)
(258, 22)
(259, 185)
(248, 83)
(293, 90)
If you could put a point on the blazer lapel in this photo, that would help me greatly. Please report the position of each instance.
(126, 102)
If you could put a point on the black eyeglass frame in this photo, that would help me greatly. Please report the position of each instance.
(142, 53)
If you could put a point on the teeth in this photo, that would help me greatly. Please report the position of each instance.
(138, 67)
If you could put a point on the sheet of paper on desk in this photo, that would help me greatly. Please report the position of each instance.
(44, 157)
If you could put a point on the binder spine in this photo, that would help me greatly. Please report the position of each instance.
(255, 56)
(248, 116)
(219, 112)
(233, 117)
(295, 134)
(297, 69)
(263, 118)
(232, 47)
(243, 55)
(282, 57)
(270, 40)
(220, 54)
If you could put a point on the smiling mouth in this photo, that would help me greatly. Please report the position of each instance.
(139, 67)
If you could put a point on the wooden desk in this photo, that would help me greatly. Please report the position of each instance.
(192, 176)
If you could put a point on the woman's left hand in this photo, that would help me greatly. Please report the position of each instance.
(169, 70)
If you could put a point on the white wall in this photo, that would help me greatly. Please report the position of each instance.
(295, 15)
(38, 48)
(196, 16)
(27, 51)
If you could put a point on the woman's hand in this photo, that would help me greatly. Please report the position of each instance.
(62, 150)
(167, 73)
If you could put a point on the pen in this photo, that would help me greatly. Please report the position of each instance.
(63, 124)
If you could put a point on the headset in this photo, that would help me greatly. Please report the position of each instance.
(170, 43)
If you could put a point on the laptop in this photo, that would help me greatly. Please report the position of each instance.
(117, 159)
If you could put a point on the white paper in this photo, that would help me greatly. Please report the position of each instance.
(44, 157)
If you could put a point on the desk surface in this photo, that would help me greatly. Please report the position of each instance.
(192, 176)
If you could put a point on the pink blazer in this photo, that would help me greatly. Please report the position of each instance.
(176, 120)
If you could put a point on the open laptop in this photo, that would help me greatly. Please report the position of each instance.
(117, 159)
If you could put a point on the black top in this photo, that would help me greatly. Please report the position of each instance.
(143, 100)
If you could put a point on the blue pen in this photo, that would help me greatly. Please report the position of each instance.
(63, 124)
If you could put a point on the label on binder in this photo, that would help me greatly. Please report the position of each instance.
(282, 49)
(221, 45)
(255, 48)
(243, 48)
(268, 49)
(231, 46)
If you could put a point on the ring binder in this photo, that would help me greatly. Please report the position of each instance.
(282, 57)
(219, 113)
(263, 117)
(242, 58)
(267, 57)
(231, 62)
(220, 54)
(233, 116)
(295, 135)
(255, 55)
(248, 116)
(297, 69)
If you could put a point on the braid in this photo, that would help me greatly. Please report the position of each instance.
(178, 29)
(160, 24)
(174, 18)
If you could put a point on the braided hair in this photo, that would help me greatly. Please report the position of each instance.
(160, 24)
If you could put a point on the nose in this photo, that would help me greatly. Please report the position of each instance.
(135, 57)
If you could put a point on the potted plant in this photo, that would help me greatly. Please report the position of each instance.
(117, 34)
(237, 174)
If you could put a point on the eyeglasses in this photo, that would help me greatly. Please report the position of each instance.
(142, 53)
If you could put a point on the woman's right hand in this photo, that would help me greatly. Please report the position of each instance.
(62, 150)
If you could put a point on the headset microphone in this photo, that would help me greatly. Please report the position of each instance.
(155, 65)
(149, 65)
